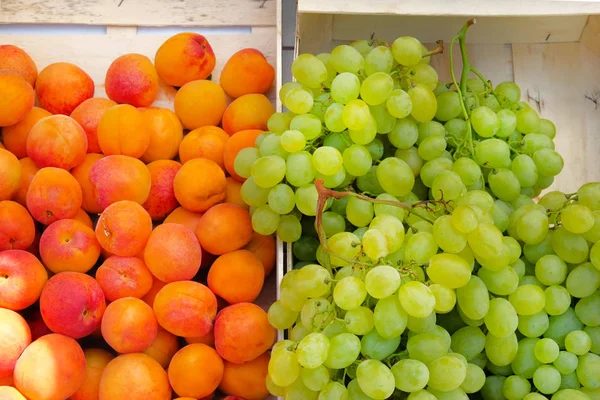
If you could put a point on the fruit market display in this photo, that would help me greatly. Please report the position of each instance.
(427, 267)
(128, 263)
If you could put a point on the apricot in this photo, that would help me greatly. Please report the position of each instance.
(15, 336)
(84, 218)
(116, 178)
(200, 103)
(236, 277)
(183, 58)
(232, 193)
(265, 248)
(96, 361)
(163, 348)
(37, 325)
(72, 304)
(247, 72)
(123, 131)
(22, 277)
(62, 86)
(17, 98)
(166, 134)
(232, 325)
(28, 171)
(10, 393)
(199, 185)
(132, 79)
(88, 114)
(69, 245)
(184, 217)
(204, 142)
(250, 111)
(124, 277)
(11, 174)
(134, 376)
(224, 228)
(208, 339)
(2, 146)
(53, 194)
(247, 380)
(15, 59)
(17, 229)
(15, 136)
(173, 253)
(123, 228)
(161, 200)
(238, 141)
(7, 381)
(35, 246)
(129, 325)
(82, 174)
(51, 368)
(185, 308)
(157, 285)
(195, 370)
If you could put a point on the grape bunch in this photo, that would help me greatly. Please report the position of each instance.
(425, 270)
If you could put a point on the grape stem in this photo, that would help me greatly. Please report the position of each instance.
(438, 50)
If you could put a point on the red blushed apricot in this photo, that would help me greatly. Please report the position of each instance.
(205, 142)
(15, 59)
(123, 228)
(236, 277)
(96, 361)
(265, 248)
(15, 336)
(124, 277)
(84, 218)
(82, 174)
(163, 348)
(17, 98)
(69, 245)
(15, 136)
(161, 200)
(247, 72)
(208, 339)
(224, 228)
(117, 178)
(232, 193)
(166, 134)
(122, 131)
(37, 325)
(183, 58)
(10, 393)
(62, 86)
(129, 325)
(185, 308)
(28, 171)
(237, 142)
(157, 285)
(184, 217)
(17, 229)
(132, 79)
(195, 371)
(88, 114)
(173, 253)
(199, 185)
(51, 368)
(53, 194)
(134, 377)
(72, 304)
(246, 380)
(22, 279)
(250, 111)
(57, 141)
(11, 174)
(200, 103)
(232, 325)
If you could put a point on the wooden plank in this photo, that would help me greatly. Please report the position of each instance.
(95, 53)
(564, 79)
(313, 33)
(140, 12)
(590, 37)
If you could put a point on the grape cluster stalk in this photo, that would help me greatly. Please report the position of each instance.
(425, 268)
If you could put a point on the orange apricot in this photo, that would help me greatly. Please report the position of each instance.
(129, 325)
(51, 368)
(199, 185)
(28, 171)
(62, 86)
(15, 136)
(124, 277)
(15, 59)
(53, 194)
(232, 193)
(166, 134)
(15, 336)
(10, 393)
(123, 131)
(250, 111)
(163, 348)
(205, 142)
(88, 114)
(161, 200)
(246, 380)
(17, 98)
(208, 339)
(184, 217)
(96, 361)
(17, 229)
(157, 285)
(236, 277)
(123, 228)
(265, 248)
(200, 103)
(183, 58)
(224, 228)
(11, 171)
(23, 278)
(238, 141)
(195, 370)
(37, 325)
(84, 218)
(82, 174)
(132, 79)
(247, 72)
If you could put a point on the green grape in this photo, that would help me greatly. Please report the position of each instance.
(364, 47)
(355, 392)
(432, 147)
(366, 134)
(306, 199)
(345, 58)
(410, 375)
(445, 298)
(473, 299)
(501, 319)
(547, 128)
(551, 270)
(508, 123)
(399, 104)
(299, 391)
(268, 171)
(265, 221)
(312, 281)
(298, 101)
(289, 229)
(244, 160)
(558, 300)
(420, 325)
(376, 88)
(492, 153)
(589, 195)
(468, 170)
(501, 351)
(593, 235)
(485, 122)
(384, 121)
(320, 104)
(548, 162)
(553, 201)
(375, 379)
(426, 347)
(588, 371)
(349, 293)
(281, 317)
(546, 379)
(407, 51)
(380, 59)
(308, 124)
(528, 299)
(272, 388)
(534, 252)
(446, 373)
(532, 227)
(333, 223)
(359, 212)
(535, 142)
(292, 141)
(488, 100)
(375, 148)
(315, 379)
(405, 133)
(447, 186)
(510, 90)
(431, 169)
(395, 176)
(486, 241)
(566, 362)
(357, 160)
(430, 128)
(587, 309)
(345, 244)
(327, 160)
(502, 283)
(594, 333)
(420, 247)
(561, 325)
(299, 169)
(284, 368)
(286, 87)
(546, 351)
(332, 181)
(356, 115)
(344, 349)
(359, 321)
(543, 182)
(425, 74)
(525, 170)
(492, 388)
(447, 237)
(392, 229)
(583, 280)
(424, 103)
(298, 332)
(309, 70)
(385, 209)
(525, 363)
(456, 130)
(411, 157)
(449, 270)
(576, 218)
(389, 317)
(331, 73)
(416, 299)
(515, 387)
(334, 391)
(448, 106)
(345, 87)
(382, 281)
(468, 341)
(578, 342)
(281, 199)
(374, 346)
(474, 380)
(312, 351)
(528, 120)
(279, 122)
(504, 184)
(333, 118)
(464, 219)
